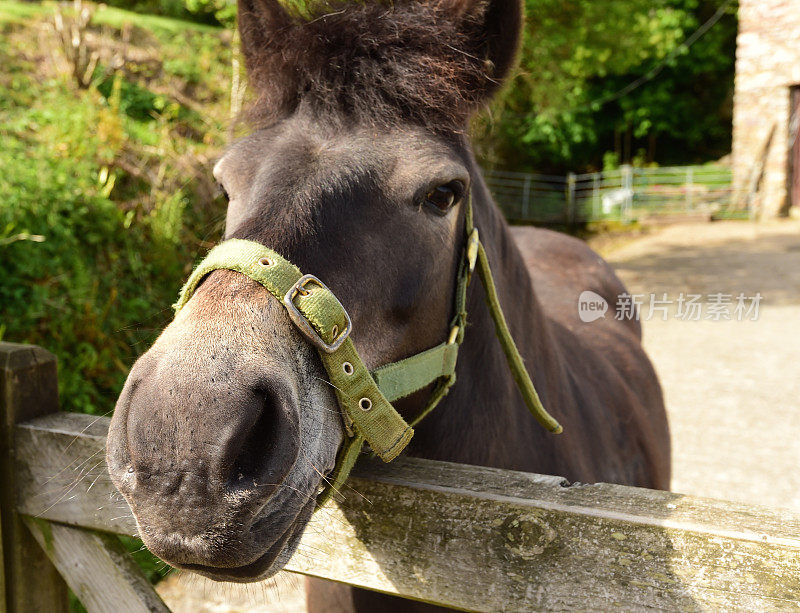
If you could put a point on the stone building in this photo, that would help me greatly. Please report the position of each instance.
(766, 122)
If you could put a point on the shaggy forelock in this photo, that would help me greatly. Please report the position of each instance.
(411, 61)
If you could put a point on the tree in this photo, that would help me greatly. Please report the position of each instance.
(585, 86)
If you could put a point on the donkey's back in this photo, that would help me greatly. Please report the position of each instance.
(561, 268)
(603, 354)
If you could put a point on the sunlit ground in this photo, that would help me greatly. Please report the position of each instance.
(732, 387)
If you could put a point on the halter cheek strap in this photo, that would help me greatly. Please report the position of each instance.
(365, 397)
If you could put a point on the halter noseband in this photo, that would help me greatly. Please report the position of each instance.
(365, 397)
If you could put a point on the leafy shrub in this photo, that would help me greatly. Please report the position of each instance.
(79, 290)
(177, 9)
(92, 250)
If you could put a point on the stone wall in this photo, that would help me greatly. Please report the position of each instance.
(767, 66)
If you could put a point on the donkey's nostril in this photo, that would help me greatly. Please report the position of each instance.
(266, 446)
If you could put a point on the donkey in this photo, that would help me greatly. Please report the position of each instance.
(359, 170)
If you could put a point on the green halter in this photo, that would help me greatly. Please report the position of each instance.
(365, 397)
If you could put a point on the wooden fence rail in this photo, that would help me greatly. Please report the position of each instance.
(467, 537)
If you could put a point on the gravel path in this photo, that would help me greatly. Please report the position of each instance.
(732, 387)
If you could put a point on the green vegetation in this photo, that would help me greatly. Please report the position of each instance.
(104, 194)
(568, 109)
(731, 215)
(22, 13)
(153, 568)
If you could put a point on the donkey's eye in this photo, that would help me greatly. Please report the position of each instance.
(445, 197)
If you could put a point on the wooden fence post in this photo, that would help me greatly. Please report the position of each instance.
(28, 389)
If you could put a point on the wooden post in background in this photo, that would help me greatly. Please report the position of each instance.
(28, 389)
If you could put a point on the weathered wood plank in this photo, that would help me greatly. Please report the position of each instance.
(97, 568)
(63, 474)
(28, 389)
(483, 539)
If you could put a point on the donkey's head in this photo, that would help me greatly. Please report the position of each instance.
(357, 173)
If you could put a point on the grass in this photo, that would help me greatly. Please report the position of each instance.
(117, 18)
(731, 215)
(18, 12)
(24, 12)
(97, 186)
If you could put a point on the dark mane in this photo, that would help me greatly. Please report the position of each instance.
(372, 62)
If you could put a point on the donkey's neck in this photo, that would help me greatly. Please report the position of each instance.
(484, 420)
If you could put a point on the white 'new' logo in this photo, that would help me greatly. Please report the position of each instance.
(591, 306)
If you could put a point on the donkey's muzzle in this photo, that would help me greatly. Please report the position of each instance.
(197, 457)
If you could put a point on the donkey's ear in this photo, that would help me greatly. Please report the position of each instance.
(494, 30)
(259, 20)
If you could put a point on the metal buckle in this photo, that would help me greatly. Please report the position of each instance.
(305, 326)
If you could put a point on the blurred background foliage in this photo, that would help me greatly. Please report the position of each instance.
(106, 146)
(567, 108)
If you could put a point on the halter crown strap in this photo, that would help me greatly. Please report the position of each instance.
(365, 397)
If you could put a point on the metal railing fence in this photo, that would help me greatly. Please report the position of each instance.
(625, 194)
